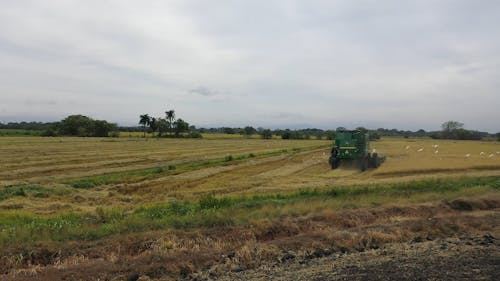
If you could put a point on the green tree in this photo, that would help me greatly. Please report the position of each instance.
(319, 135)
(373, 135)
(102, 128)
(449, 126)
(362, 129)
(162, 126)
(286, 134)
(76, 125)
(330, 134)
(248, 131)
(266, 134)
(180, 126)
(449, 129)
(227, 130)
(144, 120)
(83, 126)
(153, 125)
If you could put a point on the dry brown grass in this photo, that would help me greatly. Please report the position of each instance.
(181, 253)
(302, 227)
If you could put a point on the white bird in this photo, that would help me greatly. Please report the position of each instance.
(491, 155)
(498, 152)
(435, 146)
(482, 153)
(408, 147)
(374, 150)
(467, 155)
(420, 150)
(436, 152)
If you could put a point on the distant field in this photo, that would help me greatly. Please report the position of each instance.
(18, 132)
(54, 190)
(205, 135)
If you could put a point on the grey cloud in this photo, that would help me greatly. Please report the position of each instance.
(404, 64)
(203, 91)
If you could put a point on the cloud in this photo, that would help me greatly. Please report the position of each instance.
(203, 91)
(404, 64)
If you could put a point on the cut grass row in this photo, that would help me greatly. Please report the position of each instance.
(24, 190)
(138, 175)
(23, 228)
(37, 191)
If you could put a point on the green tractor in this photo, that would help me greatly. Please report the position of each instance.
(353, 147)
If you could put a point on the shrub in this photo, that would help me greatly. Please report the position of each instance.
(171, 167)
(84, 184)
(195, 135)
(228, 158)
(180, 208)
(374, 135)
(114, 134)
(210, 202)
(330, 135)
(49, 133)
(158, 170)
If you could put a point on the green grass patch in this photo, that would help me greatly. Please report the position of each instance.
(213, 211)
(20, 132)
(23, 191)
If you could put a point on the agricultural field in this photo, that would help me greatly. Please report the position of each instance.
(233, 208)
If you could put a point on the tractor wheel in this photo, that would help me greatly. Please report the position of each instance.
(376, 162)
(364, 164)
(334, 162)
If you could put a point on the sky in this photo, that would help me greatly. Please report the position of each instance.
(275, 64)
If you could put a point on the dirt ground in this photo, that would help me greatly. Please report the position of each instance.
(464, 258)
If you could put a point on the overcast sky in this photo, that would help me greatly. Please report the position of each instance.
(287, 64)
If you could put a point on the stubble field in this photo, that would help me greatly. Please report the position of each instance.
(160, 209)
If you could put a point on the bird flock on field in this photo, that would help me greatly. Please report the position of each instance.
(468, 155)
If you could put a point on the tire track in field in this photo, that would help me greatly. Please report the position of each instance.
(228, 179)
(192, 179)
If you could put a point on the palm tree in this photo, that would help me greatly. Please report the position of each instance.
(144, 120)
(170, 117)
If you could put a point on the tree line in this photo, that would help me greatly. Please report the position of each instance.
(167, 127)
